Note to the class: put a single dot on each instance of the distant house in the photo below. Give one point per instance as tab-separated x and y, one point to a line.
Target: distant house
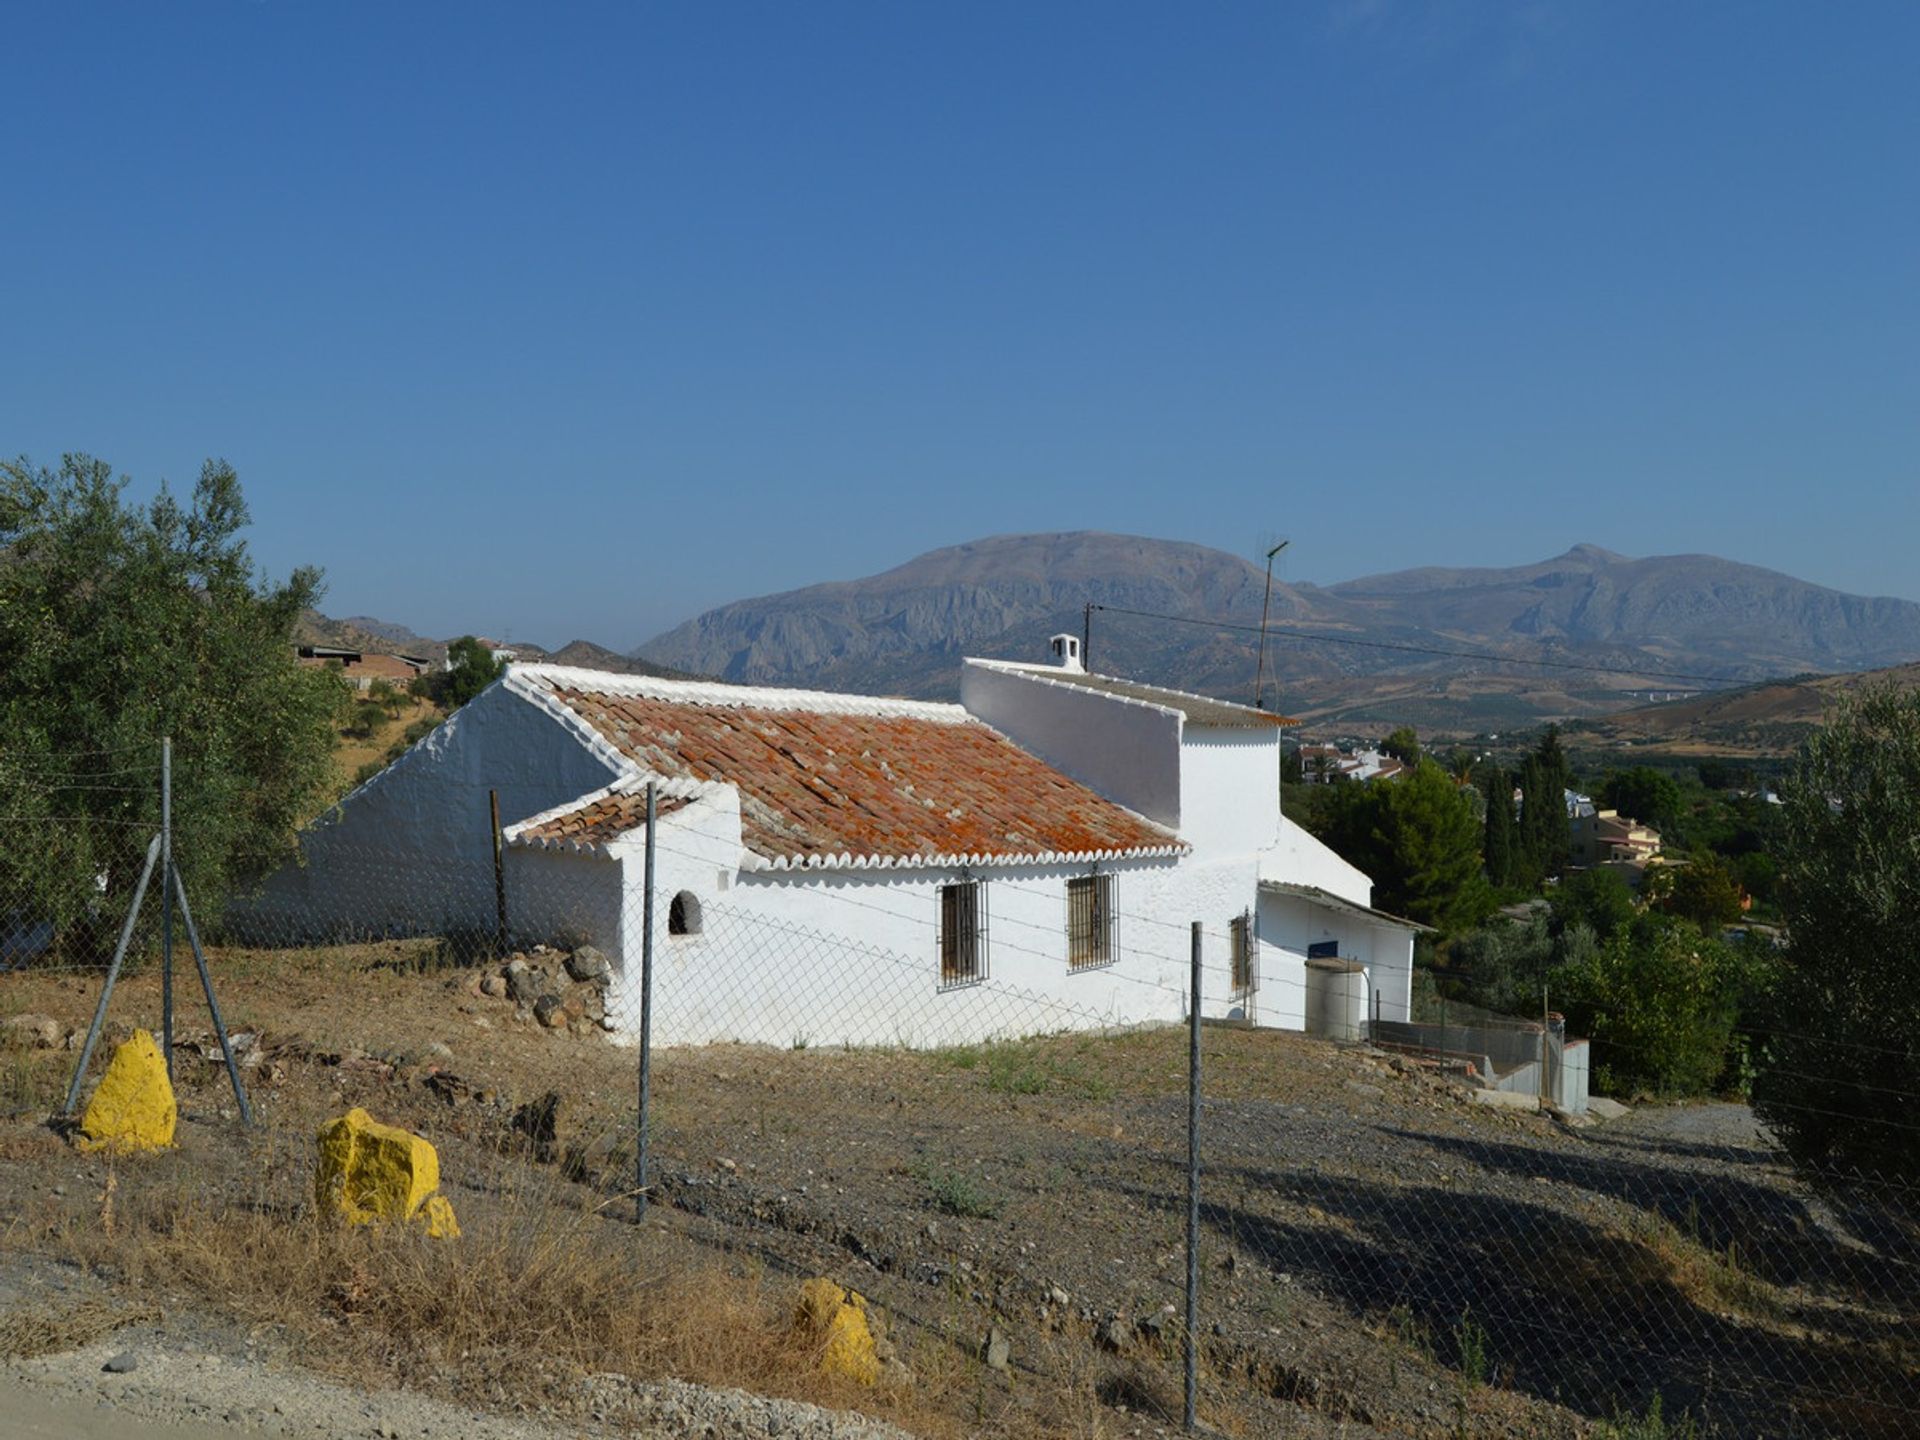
1326	763
864	868
362	667
1606	838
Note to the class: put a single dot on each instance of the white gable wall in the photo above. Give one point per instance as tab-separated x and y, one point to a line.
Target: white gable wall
1124	750
413	847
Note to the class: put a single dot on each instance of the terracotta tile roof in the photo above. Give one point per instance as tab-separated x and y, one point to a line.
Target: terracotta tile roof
858	780
603	817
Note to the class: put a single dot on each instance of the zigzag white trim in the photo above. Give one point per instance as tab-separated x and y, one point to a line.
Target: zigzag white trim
669	789
537	679
757	863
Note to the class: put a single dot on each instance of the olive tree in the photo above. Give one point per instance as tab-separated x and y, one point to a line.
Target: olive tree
123	623
1841	1059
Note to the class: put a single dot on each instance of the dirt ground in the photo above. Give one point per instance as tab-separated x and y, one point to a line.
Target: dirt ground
1378	1256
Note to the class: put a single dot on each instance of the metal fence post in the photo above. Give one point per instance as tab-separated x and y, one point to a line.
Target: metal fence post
499	878
1193	1186
113	975
166	902
646	1015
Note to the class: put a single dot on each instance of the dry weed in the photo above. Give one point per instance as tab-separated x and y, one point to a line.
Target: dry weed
45	1331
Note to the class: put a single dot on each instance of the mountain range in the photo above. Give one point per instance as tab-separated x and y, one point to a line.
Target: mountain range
1610	629
1452	650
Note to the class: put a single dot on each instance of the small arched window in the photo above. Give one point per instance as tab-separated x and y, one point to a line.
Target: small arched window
683	915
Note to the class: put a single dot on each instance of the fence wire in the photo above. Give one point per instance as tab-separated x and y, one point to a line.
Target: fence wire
1001	1164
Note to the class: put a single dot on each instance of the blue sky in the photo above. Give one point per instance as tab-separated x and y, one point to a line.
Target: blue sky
550	321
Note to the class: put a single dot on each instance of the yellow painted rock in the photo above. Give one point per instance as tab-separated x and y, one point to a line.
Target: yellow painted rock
132	1109
836	1319
369	1171
437	1215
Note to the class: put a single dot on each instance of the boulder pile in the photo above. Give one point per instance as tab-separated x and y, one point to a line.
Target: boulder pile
557	990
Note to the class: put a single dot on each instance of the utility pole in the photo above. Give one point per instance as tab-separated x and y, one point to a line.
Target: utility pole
1260	670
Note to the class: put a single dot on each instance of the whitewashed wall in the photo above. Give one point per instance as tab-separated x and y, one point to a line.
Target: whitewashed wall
1122	749
1300	859
1290	923
1229	790
412	848
852	957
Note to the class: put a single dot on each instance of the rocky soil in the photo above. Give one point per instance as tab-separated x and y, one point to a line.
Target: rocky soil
1378	1256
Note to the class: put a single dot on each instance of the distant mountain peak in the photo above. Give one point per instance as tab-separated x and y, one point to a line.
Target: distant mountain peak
905	630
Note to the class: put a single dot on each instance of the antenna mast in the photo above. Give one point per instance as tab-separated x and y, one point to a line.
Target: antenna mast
1260	669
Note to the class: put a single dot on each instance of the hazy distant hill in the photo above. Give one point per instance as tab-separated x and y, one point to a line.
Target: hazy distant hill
1767	719
905	630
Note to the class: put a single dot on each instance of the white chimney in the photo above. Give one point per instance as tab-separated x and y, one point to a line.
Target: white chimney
1065	650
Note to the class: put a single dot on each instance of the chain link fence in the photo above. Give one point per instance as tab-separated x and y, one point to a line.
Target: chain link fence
1001	1166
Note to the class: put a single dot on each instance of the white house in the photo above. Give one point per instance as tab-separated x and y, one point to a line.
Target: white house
851	868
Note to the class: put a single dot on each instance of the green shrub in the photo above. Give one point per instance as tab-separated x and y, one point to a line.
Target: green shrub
1659	1001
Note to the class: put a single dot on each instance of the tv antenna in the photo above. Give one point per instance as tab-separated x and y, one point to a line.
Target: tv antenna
1260	669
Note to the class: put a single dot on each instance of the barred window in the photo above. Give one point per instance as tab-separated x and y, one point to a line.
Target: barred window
1090	922
1243	972
963	933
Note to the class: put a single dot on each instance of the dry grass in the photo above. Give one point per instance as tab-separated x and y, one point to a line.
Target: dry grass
549	1283
46	1331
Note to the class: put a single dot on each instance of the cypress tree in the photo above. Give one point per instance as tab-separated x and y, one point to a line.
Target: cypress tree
1498	842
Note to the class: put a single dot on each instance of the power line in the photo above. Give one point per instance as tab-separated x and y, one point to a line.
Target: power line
1486	655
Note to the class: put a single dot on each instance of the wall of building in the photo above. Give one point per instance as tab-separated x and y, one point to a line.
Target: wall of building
1229	789
839	957
1289	924
1126	751
412	849
1299	859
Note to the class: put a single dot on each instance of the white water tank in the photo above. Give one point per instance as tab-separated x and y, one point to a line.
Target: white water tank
1337	999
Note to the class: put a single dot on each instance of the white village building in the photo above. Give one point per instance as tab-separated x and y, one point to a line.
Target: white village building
850	868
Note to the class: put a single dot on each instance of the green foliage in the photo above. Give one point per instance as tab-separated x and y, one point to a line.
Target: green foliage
1292	771
955	1194
470	669
1849	984
1597	899
1497	844
120	624
1544	840
1403	744
1704	891
1643	794
365	719
1470	1343
1653	1425
1660	1001
1417	837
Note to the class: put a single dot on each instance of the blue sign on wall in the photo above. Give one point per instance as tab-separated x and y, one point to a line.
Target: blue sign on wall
1324	950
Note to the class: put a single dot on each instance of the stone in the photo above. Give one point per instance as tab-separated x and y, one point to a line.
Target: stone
1601	1108
551	1011
370	1172
1114	1334
132	1109
541	1122
587	964
1506	1099
836	1320
494	987
527	985
439	1050
34	1031
125	1363
998	1349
